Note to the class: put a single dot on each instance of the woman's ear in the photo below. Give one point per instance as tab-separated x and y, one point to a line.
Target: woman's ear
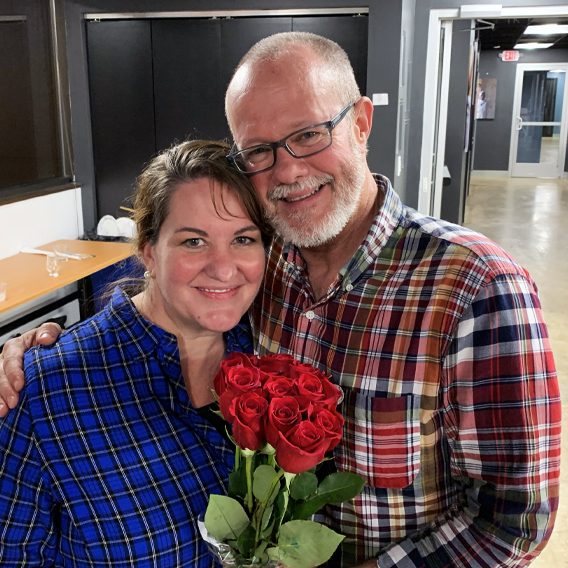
147	256
363	119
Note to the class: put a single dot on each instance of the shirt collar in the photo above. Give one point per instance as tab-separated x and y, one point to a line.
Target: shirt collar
140	336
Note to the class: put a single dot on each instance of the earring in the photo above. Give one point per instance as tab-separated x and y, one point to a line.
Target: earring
147	275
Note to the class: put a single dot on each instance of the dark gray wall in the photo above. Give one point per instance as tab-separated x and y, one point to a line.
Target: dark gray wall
422	14
453	193
493	137
382	75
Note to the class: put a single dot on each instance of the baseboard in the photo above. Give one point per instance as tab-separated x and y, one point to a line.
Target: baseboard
490	173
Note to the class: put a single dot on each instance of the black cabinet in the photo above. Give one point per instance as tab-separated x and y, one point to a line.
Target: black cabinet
157	81
187	80
122	107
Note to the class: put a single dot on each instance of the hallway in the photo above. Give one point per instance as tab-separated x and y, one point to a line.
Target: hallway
529	218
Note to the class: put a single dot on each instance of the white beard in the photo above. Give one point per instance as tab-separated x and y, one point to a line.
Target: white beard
299	228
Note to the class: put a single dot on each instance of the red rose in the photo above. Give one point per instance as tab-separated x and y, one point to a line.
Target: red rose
248	410
318	389
236	359
237	380
330	422
283	414
276	364
298	368
303	449
233	360
277	386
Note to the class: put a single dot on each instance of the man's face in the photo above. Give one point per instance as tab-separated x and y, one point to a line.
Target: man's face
309	200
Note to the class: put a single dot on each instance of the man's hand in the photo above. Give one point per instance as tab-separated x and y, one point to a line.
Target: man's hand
12	362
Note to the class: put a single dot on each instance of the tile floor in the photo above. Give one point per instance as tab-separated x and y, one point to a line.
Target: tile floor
529	218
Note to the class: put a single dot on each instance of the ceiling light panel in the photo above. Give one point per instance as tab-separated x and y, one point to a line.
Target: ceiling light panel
532	45
546	29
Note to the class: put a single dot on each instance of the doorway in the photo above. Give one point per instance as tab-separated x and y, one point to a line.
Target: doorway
436	80
538	136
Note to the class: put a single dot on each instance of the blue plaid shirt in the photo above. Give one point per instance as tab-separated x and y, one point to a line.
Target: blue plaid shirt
105	462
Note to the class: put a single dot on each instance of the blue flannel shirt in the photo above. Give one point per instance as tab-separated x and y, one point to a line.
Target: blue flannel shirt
105	462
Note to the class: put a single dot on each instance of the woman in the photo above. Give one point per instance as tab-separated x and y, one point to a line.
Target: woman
111	454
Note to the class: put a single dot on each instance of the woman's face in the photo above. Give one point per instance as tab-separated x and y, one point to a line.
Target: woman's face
206	266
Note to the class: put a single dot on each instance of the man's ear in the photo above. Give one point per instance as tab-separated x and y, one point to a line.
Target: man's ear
363	119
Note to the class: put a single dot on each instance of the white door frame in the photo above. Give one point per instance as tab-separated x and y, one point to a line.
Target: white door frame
435	116
433	135
521	68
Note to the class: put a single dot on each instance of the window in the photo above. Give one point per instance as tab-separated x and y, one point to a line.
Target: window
31	152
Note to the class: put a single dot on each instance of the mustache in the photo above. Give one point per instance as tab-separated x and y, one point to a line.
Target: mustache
281	191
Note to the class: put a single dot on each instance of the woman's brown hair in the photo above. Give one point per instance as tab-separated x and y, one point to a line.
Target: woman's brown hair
186	162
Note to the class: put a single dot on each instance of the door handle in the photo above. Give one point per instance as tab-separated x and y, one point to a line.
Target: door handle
519	125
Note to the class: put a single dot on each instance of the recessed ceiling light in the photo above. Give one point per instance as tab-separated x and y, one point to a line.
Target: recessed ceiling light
546	29
532	45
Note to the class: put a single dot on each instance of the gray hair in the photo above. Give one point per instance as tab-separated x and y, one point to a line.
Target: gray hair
334	61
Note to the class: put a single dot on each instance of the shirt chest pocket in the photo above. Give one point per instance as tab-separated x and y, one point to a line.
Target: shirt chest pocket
381	439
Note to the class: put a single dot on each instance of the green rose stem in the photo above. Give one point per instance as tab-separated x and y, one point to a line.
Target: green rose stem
274	487
249	459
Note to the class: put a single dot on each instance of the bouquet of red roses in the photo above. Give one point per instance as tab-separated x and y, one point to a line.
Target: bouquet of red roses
284	420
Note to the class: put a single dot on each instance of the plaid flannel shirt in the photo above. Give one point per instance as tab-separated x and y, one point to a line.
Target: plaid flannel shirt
105	462
451	402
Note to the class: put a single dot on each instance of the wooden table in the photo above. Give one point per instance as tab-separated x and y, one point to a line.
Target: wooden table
27	276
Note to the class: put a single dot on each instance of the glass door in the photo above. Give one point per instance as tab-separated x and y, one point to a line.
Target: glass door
538	142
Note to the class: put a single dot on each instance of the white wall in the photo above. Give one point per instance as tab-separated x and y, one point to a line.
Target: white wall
31	223
40	220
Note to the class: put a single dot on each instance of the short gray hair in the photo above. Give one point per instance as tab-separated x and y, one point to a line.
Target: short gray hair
331	55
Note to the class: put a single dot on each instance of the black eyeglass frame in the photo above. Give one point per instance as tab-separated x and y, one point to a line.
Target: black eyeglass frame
232	156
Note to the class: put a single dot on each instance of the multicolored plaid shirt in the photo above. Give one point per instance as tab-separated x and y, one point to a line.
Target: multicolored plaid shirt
451	398
105	462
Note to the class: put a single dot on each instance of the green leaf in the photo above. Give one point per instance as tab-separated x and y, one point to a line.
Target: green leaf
341	486
267	531
303	485
335	488
280	507
261	554
263	480
304	544
266	516
225	518
246	541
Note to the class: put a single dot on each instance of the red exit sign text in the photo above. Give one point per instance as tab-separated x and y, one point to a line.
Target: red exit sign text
510	55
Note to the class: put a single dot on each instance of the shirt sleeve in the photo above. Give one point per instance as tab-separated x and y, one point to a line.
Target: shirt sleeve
501	407
27	536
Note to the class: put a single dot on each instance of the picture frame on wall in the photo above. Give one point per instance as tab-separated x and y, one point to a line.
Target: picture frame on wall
485	98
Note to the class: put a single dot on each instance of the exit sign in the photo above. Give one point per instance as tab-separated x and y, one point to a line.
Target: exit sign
510	55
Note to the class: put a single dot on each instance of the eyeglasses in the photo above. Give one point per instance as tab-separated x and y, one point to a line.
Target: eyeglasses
300	144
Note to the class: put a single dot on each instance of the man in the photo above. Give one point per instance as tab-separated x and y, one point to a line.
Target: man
451	400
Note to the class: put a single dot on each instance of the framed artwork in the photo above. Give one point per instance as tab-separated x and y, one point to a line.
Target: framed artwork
485	98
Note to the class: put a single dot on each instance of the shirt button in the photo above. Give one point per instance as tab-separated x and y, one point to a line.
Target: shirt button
310	315
349	287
